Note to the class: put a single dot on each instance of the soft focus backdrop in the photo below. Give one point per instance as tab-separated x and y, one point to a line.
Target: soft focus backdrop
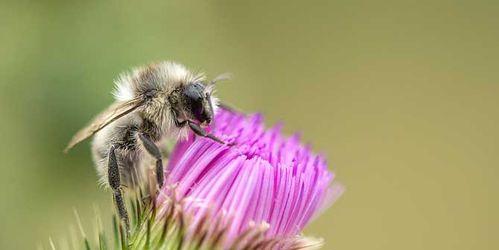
403	98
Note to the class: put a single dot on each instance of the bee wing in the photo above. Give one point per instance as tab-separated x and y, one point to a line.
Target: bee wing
106	117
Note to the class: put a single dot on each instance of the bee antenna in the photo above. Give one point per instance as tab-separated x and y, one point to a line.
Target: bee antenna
219	78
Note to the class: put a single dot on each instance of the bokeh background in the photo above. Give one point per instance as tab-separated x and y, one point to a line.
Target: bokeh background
402	96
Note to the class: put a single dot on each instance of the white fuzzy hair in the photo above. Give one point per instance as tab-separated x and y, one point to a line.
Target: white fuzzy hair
168	72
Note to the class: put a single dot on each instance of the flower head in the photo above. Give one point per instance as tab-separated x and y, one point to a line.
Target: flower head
261	179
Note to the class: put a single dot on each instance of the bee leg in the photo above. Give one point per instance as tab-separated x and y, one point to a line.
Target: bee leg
152	149
201	132
115	182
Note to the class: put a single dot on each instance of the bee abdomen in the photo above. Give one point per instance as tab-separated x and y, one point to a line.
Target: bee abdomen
123	136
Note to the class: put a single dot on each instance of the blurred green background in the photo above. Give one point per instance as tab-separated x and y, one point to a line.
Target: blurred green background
402	96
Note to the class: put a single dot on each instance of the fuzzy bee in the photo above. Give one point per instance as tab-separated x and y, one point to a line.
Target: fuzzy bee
156	102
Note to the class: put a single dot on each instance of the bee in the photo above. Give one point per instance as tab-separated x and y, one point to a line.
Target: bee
153	103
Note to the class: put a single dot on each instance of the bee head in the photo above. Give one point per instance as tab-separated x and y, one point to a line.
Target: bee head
197	103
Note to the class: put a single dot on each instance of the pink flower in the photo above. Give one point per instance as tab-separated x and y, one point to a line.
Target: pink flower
262	179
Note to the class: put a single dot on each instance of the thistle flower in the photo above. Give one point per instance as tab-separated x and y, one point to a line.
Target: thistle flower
257	192
260	180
